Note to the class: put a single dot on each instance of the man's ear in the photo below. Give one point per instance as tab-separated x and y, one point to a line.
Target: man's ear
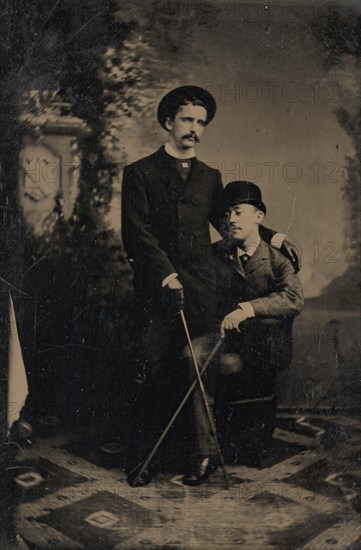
168	123
260	216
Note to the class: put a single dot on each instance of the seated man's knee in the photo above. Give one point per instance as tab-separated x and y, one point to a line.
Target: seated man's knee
230	363
202	347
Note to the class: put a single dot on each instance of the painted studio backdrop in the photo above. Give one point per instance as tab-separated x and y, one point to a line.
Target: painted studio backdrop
83	84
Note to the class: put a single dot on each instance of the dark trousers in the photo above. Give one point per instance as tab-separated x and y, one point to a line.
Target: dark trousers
241	384
161	383
164	370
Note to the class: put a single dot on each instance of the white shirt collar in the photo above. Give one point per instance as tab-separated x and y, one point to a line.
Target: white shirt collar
251	249
174	153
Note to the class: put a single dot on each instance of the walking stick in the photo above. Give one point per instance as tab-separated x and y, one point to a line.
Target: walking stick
204	395
177	412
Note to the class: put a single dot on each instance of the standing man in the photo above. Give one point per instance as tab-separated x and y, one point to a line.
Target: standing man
168	200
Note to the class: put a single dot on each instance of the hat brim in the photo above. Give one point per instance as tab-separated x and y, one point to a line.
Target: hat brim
260	205
174	99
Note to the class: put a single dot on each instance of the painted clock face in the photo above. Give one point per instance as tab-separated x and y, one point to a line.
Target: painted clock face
39	183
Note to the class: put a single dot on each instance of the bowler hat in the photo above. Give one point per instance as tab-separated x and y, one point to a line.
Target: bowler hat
171	102
243	192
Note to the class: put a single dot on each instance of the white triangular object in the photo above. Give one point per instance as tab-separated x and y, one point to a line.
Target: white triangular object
17	379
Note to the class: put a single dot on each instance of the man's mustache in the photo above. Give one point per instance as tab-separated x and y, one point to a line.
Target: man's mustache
194	136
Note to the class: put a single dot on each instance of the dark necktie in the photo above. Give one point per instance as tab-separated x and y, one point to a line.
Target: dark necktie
184	168
244	259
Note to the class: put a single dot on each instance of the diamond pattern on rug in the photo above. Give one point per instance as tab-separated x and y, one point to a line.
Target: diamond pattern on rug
318	478
102	520
302	427
280	450
335	430
290	524
303	494
97	451
42	477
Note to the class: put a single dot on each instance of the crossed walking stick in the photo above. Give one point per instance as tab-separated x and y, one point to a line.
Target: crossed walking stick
198	380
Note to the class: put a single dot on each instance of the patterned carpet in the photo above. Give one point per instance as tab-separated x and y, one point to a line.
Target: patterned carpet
72	494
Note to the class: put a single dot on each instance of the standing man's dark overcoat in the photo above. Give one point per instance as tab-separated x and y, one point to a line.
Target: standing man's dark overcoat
165	230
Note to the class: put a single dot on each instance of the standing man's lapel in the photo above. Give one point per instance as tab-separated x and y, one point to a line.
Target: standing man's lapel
172	179
196	180
169	174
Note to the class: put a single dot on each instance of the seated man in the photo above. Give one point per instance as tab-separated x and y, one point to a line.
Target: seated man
259	294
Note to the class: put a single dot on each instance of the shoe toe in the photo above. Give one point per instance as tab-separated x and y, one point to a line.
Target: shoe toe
192	480
142	480
203	467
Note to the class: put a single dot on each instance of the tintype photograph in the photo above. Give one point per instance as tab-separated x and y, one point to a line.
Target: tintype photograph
180	275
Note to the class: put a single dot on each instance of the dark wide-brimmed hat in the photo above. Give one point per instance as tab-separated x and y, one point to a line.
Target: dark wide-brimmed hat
243	192
171	102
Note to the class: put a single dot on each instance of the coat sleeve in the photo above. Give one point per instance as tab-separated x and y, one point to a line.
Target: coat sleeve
140	243
286	300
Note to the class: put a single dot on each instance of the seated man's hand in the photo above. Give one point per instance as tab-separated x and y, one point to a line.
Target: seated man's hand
232	321
292	252
175	290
